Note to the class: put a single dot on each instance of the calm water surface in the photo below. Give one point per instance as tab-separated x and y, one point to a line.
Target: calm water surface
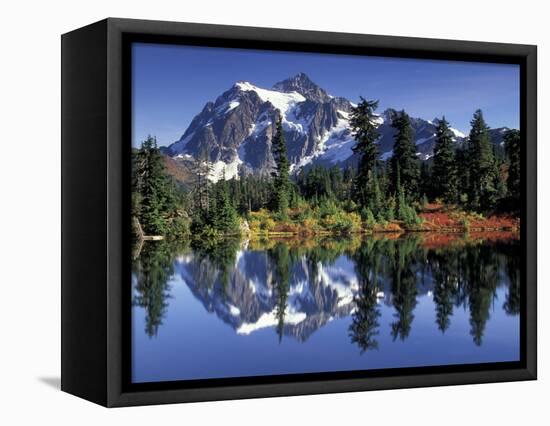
298	306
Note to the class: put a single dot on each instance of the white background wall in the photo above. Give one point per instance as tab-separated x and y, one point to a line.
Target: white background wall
30	211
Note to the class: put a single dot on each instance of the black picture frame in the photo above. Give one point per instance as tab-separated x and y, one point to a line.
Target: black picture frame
96	91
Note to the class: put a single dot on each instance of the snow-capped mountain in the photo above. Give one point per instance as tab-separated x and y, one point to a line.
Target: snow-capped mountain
236	130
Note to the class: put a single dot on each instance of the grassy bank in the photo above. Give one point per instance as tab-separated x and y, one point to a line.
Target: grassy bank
433	218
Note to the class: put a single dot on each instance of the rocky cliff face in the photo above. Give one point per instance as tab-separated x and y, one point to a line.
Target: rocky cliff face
236	130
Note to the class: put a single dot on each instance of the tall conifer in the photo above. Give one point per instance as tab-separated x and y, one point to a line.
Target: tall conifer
224	215
154	188
512	146
282	184
444	176
363	124
404	156
482	191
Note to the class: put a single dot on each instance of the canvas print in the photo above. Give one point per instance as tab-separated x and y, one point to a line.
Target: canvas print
300	213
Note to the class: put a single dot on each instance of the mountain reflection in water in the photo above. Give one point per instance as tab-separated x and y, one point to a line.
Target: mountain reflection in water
294	288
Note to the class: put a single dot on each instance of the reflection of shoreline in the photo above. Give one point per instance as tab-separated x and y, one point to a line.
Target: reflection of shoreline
298	285
426	239
433	240
392	233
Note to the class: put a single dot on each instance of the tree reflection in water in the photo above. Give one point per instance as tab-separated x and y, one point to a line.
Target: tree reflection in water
403	286
152	270
364	326
280	257
395	272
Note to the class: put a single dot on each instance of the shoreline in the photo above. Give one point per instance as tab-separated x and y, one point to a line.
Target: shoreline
443	231
428	239
433	217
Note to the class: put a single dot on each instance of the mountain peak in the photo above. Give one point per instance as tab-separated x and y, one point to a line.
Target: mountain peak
299	79
244	85
301	83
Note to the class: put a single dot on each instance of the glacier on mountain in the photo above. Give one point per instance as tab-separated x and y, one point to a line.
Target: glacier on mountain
237	128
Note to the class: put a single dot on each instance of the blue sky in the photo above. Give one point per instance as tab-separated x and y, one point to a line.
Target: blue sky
172	83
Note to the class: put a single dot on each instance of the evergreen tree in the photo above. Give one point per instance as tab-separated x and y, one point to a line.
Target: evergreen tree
463	173
201	194
512	146
223	214
482	191
405	212
348	179
444	176
499	180
404	156
426	187
202	168
363	125
282	184
156	201
376	205
336	182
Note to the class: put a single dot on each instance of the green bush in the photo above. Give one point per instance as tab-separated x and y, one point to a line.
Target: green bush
179	227
349	206
206	233
327	208
342	222
368	218
408	215
389	209
303	214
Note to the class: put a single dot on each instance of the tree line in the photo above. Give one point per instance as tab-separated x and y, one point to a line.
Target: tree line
468	175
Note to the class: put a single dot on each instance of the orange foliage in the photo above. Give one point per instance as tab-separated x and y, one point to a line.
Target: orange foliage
437	217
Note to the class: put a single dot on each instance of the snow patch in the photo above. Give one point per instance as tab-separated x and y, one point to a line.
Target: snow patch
221	169
186	156
335	145
282	101
233	310
457	133
232	105
379	119
292	122
225	108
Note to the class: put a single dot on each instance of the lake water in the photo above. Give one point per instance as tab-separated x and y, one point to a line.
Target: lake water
281	306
